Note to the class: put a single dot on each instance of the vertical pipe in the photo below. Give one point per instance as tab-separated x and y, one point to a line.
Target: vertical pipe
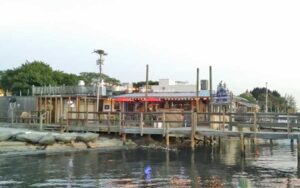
146	90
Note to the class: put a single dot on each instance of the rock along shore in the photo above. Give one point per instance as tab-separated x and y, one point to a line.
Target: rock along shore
25	141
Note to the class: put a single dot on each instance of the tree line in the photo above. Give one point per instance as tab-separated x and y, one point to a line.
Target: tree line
276	102
38	73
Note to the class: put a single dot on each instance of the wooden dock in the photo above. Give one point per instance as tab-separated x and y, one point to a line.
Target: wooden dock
191	125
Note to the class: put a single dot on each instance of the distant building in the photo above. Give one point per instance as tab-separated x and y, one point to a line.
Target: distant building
126	87
167	85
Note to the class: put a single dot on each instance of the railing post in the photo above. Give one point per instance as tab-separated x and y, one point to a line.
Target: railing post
223	120
120	123
230	122
255	122
167	135
164	122
109	123
288	124
193	129
242	144
141	124
41	122
86	118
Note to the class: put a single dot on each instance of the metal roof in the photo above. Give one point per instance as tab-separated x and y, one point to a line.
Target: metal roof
202	93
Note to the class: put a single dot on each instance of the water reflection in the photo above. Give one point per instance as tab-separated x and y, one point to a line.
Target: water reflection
218	166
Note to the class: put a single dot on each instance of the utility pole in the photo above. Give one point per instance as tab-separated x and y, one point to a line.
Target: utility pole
197	90
210	90
146	91
266	109
100	61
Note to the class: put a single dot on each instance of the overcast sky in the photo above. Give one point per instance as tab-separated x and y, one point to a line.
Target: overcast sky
248	43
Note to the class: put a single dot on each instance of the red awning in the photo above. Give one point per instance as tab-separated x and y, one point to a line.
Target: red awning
151	99
122	99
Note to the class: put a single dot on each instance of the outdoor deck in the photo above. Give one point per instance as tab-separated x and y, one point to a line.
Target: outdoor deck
191	125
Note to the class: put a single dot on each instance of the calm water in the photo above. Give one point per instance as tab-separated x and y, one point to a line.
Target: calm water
264	166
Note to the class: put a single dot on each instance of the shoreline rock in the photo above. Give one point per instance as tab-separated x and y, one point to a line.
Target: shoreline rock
23	142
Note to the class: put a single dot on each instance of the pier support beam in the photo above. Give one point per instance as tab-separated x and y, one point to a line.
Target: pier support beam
124	138
193	131
167	134
242	145
167	140
298	161
298	148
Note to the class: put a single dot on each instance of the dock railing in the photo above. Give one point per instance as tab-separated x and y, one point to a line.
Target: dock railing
163	120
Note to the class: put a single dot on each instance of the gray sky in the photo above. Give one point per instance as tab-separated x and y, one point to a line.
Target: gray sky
248	43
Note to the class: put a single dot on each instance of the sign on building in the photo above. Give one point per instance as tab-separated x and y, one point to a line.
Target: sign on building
223	96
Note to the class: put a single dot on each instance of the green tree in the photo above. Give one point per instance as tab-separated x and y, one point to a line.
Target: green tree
62	78
91	78
276	103
22	78
36	73
248	96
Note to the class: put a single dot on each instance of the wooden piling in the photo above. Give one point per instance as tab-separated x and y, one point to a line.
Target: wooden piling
298	158
242	145
109	123
193	129
124	138
164	123
167	136
120	122
141	124
298	148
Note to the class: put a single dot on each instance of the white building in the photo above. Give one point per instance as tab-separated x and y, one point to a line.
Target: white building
166	85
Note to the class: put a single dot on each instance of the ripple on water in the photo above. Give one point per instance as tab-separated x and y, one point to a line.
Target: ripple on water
10	182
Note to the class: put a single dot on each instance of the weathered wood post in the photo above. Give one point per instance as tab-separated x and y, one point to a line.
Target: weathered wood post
109	123
223	126
298	147
193	129
210	97
120	123
164	123
242	144
298	157
141	124
124	138
167	135
255	127
41	122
